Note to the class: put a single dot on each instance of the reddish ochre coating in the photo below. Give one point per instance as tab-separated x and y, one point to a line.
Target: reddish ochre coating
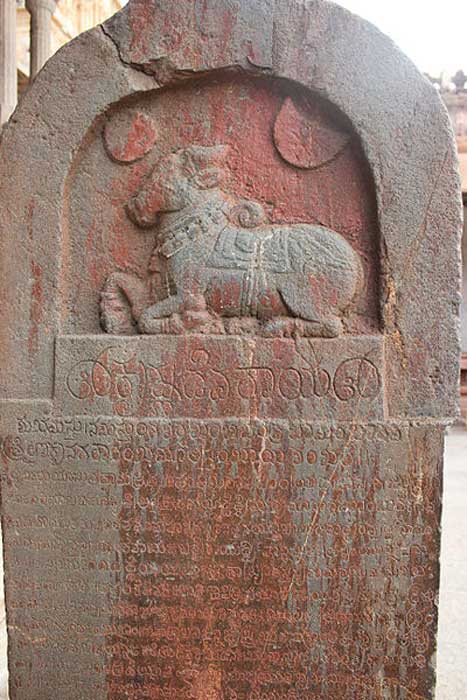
180	645
36	305
128	137
241	114
229	350
141	137
142	16
214	598
307	142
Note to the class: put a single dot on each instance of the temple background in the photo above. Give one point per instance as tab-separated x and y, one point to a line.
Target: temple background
455	98
70	18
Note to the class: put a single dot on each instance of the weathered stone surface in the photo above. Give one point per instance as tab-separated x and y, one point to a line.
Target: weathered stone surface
229	352
237	556
307	139
202	376
129	136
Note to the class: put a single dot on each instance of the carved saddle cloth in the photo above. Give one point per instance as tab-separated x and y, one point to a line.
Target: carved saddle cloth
262	249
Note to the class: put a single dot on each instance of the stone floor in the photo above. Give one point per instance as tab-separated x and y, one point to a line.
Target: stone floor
452	643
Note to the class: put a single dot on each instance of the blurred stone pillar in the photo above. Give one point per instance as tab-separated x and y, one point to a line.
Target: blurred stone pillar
41	12
8	78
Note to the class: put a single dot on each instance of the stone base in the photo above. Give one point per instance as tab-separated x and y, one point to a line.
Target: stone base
167	555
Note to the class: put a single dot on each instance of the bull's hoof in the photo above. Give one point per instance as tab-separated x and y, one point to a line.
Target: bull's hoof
280	328
299	328
335	328
148	325
202	323
330	328
122	300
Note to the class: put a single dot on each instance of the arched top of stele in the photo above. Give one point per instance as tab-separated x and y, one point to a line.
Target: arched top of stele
398	116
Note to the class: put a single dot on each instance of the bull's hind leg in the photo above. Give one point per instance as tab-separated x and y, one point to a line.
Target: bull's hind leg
178	314
311	321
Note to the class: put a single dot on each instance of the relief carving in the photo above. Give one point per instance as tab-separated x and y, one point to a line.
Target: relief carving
128	137
219	265
305	137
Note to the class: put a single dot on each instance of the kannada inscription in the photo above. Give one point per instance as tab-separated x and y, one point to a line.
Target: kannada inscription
194	376
240	558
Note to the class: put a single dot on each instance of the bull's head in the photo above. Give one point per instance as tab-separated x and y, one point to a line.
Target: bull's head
179	181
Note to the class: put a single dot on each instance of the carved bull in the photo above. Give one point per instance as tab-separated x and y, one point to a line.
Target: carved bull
219	258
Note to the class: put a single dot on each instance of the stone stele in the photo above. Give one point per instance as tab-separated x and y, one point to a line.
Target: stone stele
229	349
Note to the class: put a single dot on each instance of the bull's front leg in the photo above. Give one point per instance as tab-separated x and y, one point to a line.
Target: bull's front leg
151	320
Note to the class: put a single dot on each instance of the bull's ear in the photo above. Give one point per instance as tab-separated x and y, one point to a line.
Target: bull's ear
208	179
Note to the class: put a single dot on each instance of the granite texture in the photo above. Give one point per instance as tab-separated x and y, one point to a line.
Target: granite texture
229	256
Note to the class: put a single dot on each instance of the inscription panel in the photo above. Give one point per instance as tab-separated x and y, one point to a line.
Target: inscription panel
235	558
193	376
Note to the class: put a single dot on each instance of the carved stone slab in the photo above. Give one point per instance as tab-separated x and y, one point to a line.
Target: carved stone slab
229	250
198	376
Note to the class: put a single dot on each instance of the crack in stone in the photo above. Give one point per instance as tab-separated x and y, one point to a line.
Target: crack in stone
164	71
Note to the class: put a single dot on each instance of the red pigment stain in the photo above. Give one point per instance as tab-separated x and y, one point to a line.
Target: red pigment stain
36	306
126	186
272	302
338	195
304	137
226	296
123	252
227	24
140	138
192	582
29	219
107	245
144	16
140	17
